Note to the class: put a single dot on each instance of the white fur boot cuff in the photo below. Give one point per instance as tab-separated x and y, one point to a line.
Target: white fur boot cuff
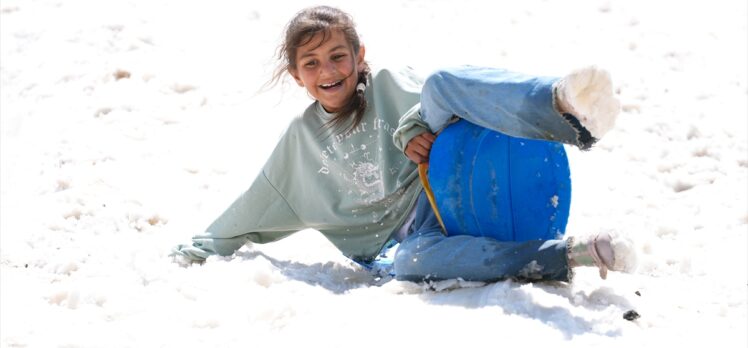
587	94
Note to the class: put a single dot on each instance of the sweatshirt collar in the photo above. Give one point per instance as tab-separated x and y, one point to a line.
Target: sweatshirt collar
323	114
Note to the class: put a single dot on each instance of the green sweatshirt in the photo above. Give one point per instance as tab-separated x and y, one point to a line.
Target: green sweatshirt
355	188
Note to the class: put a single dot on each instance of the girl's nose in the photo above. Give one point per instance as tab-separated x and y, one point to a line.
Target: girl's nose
328	67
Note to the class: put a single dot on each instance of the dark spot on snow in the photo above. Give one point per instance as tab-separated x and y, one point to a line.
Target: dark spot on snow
631	315
121	74
638	293
681	186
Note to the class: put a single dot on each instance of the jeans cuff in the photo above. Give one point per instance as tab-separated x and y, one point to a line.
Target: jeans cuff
584	138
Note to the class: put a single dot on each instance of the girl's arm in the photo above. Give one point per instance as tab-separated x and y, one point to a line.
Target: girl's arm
259	215
413	136
410	125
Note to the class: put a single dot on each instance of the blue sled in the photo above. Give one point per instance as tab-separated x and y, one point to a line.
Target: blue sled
488	184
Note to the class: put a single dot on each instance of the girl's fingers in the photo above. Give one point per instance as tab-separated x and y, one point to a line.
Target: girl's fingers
419	147
415	156
424	141
428	136
422	150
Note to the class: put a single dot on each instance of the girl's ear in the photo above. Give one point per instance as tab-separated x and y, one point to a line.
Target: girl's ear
295	74
360	61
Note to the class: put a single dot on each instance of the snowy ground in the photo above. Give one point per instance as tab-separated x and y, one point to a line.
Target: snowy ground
127	126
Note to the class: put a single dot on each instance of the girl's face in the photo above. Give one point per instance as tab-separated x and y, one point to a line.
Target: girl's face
329	71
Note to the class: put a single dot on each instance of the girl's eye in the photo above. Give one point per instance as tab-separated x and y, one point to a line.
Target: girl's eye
338	57
310	64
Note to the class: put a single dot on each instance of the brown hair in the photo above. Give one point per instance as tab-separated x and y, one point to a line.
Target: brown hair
300	31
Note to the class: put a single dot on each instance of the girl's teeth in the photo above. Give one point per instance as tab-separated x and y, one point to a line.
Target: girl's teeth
330	84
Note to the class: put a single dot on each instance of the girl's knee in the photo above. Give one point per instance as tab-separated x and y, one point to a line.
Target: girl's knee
407	267
410	261
437	79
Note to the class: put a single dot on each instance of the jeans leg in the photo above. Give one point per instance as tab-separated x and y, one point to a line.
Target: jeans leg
427	254
511	103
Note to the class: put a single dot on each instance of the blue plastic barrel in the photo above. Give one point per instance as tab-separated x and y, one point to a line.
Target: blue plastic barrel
489	184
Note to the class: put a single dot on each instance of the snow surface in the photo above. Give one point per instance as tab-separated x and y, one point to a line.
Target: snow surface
127	126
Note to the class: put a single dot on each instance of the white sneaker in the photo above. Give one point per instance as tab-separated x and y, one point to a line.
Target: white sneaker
606	253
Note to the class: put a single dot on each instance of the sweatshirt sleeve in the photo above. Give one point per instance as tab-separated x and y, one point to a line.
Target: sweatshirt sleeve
409	126
259	215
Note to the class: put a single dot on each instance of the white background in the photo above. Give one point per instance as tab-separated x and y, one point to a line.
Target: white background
102	176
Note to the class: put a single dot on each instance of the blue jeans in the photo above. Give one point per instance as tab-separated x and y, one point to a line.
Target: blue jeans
427	254
513	104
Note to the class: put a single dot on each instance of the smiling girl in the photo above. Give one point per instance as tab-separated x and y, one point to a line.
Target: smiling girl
343	169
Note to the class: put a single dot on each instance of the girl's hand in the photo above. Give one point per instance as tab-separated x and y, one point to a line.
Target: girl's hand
419	147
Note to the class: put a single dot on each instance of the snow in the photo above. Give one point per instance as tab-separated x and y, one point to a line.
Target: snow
127	126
